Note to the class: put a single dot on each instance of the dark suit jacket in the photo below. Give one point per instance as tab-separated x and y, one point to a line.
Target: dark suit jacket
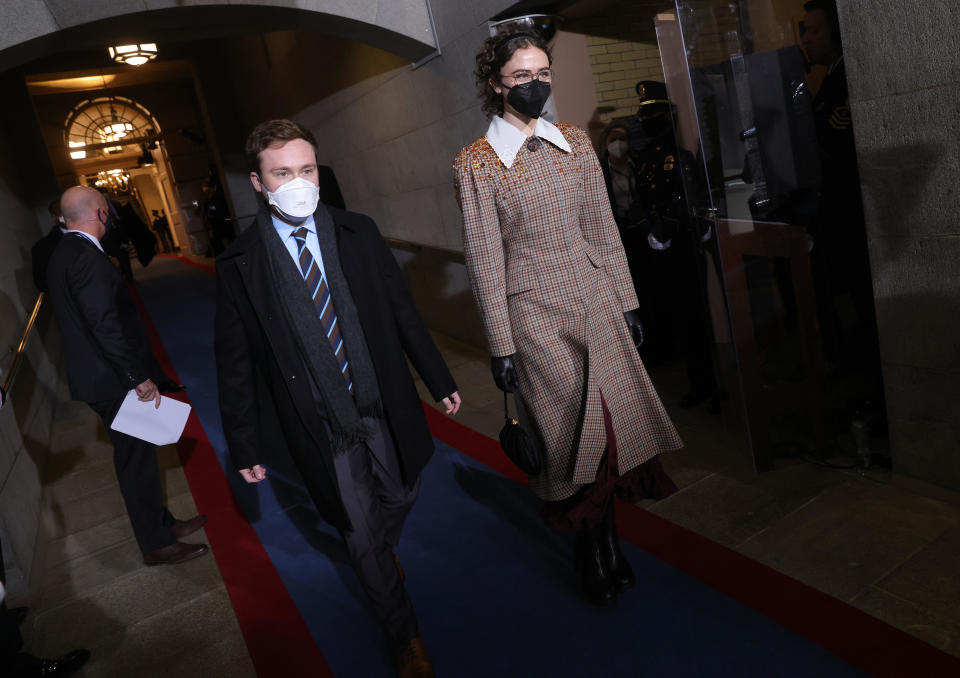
40	254
255	345
105	346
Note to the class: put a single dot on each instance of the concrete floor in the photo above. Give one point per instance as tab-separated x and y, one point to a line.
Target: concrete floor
96	592
861	538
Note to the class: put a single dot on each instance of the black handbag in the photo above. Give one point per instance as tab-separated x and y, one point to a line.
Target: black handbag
518	444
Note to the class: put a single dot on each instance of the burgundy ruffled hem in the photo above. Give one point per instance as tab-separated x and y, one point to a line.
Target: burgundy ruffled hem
589	505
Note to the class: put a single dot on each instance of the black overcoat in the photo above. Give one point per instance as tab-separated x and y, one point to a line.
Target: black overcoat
255	347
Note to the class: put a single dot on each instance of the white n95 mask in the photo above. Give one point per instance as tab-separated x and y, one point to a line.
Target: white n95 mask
297	198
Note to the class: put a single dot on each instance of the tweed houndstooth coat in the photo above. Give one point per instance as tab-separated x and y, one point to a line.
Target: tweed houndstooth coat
551	282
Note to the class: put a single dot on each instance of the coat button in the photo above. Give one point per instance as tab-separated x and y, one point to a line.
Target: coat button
293	376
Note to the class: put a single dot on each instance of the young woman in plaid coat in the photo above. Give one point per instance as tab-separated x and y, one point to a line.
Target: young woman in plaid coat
550	279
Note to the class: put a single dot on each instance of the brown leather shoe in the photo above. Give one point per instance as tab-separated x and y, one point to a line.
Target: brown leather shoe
412	660
175	553
396	561
182	528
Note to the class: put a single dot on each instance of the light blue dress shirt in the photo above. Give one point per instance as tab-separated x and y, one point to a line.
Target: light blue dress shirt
285	232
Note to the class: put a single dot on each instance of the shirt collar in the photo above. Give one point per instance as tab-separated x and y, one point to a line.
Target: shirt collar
506	140
87	236
285	230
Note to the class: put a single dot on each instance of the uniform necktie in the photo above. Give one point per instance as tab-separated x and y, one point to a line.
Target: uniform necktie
317	287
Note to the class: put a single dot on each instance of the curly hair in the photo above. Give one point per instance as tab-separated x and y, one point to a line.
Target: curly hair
272	132
496	51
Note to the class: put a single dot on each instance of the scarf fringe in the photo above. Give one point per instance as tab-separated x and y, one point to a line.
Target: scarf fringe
344	440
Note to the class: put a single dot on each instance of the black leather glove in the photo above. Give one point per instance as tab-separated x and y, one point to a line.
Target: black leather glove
504	374
636	327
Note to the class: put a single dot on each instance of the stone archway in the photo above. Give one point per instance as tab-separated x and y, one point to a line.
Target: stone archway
32	28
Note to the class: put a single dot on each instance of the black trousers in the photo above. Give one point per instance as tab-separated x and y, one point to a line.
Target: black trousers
138	474
377	502
10	640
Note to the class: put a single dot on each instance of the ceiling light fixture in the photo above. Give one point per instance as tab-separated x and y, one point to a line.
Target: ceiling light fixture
116	180
133	55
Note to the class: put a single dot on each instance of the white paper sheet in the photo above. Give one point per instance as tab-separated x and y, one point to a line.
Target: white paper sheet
143	420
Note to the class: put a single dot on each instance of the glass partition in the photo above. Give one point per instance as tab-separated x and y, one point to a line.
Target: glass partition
743	118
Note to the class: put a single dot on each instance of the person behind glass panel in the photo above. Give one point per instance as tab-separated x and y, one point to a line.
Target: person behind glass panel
840	257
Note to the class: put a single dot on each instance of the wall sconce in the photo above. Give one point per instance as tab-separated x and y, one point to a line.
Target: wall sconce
133	55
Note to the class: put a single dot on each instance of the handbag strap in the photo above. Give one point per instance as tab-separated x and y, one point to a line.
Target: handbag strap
506	408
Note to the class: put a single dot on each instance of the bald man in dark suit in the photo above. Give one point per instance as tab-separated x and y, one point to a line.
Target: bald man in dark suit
107	353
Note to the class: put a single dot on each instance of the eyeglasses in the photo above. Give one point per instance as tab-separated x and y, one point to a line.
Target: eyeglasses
523	77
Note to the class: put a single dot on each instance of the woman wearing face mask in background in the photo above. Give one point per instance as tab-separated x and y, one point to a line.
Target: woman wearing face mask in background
552	285
619	175
623	190
620	178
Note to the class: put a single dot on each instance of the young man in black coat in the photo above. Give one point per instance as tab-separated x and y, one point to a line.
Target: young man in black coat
311	303
107	353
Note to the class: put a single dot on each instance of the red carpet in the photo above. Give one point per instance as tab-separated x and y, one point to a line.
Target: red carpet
859	639
183	259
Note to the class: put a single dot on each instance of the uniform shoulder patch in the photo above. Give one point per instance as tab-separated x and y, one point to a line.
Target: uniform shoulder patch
840	117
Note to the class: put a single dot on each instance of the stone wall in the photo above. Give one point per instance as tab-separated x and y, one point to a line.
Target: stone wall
27	418
617	67
392	140
904	103
622	44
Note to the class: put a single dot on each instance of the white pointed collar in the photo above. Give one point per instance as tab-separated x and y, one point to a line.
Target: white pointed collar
506	140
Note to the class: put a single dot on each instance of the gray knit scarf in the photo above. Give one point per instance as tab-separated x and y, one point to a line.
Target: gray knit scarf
344	412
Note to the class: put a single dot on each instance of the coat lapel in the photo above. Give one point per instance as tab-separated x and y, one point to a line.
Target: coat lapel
254	271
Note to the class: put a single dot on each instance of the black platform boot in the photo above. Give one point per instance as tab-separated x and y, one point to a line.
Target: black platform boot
595	583
618	568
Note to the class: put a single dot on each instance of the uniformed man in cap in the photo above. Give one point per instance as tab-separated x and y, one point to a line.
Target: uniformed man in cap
675	273
839	257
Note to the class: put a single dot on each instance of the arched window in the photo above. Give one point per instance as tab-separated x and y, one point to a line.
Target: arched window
95	124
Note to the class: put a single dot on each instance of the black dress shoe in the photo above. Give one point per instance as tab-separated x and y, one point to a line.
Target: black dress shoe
620	572
412	660
174	554
595	583
28	666
181	528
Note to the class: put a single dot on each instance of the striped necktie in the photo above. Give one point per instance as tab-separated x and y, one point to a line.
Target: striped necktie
323	302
